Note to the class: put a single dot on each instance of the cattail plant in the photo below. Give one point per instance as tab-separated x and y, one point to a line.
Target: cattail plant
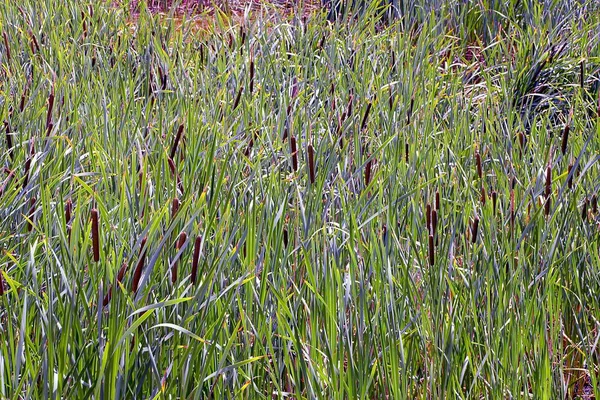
285	237
548	190
368	172
294	151
365	119
95	235
478	164
251	74
570	174
175	207
31	214
438	203
494	201
431	250
9	142
428	216
176	142
406	149
195	259
311	163
49	111
6	46
483	196
120	276
474	229
565	139
137	274
178	245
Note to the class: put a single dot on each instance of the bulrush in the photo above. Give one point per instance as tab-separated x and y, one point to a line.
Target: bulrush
49	111
594	204
311	163
178	245
478	164
137	274
368	172
570	176
565	139
176	142
95	235
120	276
428	216
195	259
437	200
434	221
6	46
285	237
474	229
68	210
581	74
431	251
251	75
294	150
483	197
238	97
494	201
406	152
175	207
9	142
31	214
548	189
410	110
363	125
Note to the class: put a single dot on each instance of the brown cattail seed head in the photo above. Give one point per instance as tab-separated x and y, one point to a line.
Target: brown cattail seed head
548	190
294	153
431	250
95	235
434	221
139	267
594	204
437	200
363	125
474	229
285	237
368	172
565	139
68	210
483	195
178	245
175	207
311	163
428	216
195	259
478	164
570	176
176	141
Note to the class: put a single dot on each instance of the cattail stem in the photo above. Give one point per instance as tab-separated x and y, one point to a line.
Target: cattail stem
95	235
137	274
197	244
311	163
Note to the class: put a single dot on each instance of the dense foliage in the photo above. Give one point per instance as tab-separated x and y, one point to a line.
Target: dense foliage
390	205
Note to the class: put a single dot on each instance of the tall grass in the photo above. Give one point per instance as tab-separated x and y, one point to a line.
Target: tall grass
300	210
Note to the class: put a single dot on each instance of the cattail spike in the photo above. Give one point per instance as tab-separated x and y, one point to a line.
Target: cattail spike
95	235
431	251
368	172
363	125
478	164
6	46
311	163
428	216
474	229
175	207
294	153
434	221
494	201
594	204
548	190
570	176
176	142
137	274
179	244
437	200
197	244
565	139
